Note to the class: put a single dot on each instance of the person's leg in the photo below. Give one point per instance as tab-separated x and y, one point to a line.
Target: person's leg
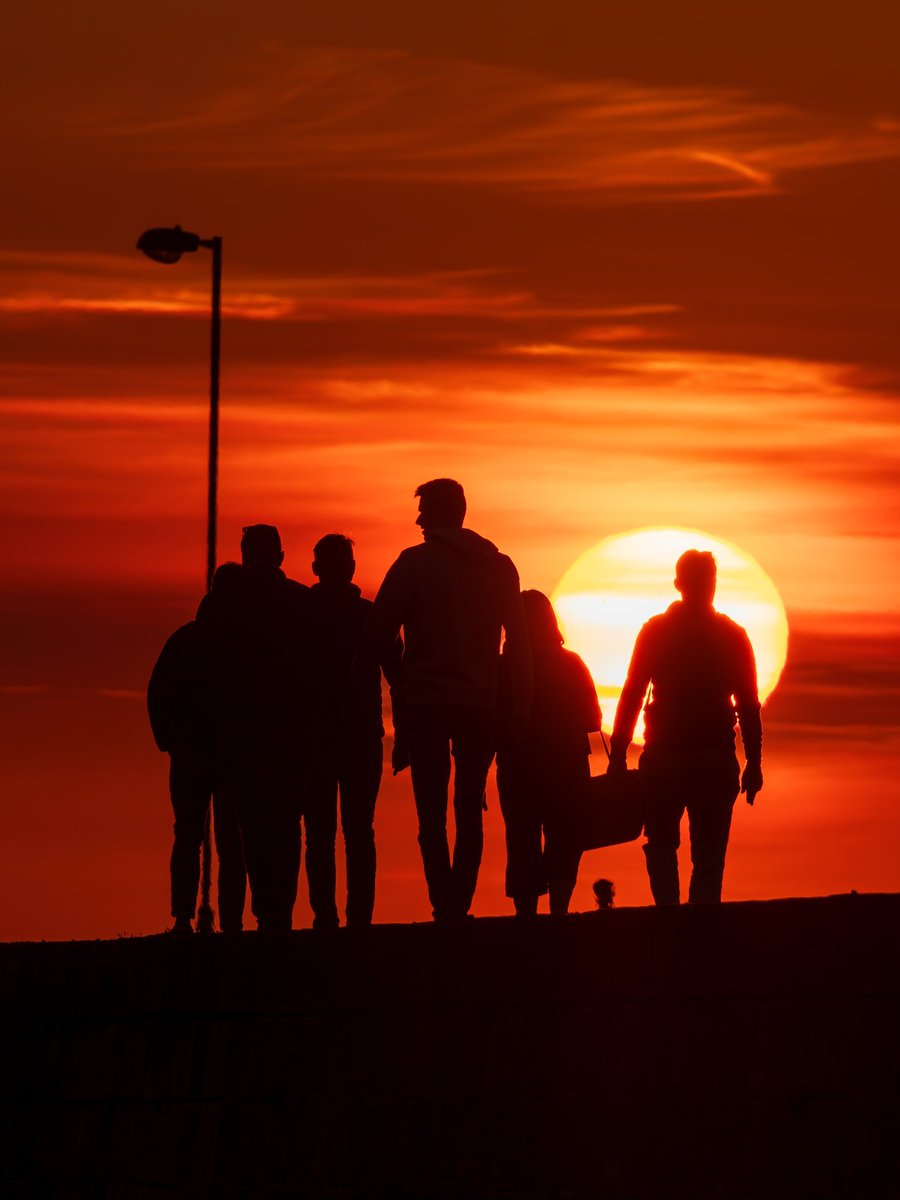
525	879
266	802
710	811
320	819
429	761
563	858
232	881
562	793
473	752
360	778
190	787
664	805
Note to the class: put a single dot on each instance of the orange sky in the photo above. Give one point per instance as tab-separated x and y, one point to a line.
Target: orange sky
610	269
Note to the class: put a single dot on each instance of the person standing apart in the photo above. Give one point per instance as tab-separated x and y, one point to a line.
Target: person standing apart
701	672
452	596
349	755
543	769
180	707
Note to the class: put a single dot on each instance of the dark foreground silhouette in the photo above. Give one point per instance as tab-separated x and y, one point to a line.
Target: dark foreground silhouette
737	1050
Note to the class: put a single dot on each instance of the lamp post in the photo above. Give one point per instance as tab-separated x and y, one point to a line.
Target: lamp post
167	246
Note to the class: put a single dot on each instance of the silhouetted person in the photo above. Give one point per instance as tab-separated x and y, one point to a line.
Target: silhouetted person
263	645
179	702
452	596
349	754
700	667
542	772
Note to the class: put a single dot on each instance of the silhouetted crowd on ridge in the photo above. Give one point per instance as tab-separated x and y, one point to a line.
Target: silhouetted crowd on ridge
269	705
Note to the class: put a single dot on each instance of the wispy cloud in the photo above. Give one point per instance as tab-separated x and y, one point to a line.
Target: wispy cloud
362	114
38	284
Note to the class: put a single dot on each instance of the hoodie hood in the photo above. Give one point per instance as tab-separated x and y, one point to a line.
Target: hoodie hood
464	542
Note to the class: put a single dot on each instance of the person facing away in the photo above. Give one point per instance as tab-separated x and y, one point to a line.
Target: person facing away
542	773
263	645
349	755
452	596
179	704
700	668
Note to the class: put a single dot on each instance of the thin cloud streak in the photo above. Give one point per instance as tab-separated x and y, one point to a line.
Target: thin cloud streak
379	115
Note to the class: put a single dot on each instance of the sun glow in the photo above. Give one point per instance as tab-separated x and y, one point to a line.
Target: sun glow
610	591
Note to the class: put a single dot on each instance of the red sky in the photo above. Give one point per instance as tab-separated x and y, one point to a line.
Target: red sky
610	269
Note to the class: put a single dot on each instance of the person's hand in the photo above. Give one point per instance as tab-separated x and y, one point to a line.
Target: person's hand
617	764
751	781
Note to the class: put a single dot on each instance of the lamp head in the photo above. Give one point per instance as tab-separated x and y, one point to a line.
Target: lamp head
168	245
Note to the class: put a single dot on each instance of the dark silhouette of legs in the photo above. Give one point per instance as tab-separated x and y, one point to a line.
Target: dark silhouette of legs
429	761
520	805
232	872
709	816
190	786
355	774
433	731
266	798
320	821
360	780
662	827
706	784
563	782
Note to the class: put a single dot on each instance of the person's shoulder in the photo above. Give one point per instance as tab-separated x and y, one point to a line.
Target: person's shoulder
573	662
659	623
729	627
183	636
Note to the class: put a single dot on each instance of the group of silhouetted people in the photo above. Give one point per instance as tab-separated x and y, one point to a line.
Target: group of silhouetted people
269	705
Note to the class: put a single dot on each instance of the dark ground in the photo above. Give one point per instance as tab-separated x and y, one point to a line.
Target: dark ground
751	1050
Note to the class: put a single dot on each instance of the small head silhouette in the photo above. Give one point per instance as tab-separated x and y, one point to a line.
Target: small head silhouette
695	578
540	617
605	893
442	504
261	548
333	560
227	578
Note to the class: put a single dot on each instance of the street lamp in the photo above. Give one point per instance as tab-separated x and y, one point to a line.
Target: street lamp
167	246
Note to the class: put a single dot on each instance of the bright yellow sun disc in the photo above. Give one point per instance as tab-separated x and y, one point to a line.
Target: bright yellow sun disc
609	592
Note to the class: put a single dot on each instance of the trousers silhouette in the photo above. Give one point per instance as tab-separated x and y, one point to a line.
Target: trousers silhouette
706	783
265	789
191	784
435	732
354	771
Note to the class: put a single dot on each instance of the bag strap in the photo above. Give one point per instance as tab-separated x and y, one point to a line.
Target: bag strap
603	740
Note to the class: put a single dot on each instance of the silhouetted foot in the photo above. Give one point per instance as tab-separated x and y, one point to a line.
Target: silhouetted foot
326	924
526	907
182	927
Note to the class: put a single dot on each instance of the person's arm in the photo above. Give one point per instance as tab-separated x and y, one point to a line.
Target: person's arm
746	696
517	652
633	693
160	691
378	641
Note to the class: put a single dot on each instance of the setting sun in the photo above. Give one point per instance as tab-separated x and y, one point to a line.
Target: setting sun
607	594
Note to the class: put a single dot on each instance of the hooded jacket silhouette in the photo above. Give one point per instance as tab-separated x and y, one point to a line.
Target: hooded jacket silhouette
452	595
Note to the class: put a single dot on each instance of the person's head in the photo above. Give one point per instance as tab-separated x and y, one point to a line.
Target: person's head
228	576
605	893
261	548
540	618
333	560
442	504
695	577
